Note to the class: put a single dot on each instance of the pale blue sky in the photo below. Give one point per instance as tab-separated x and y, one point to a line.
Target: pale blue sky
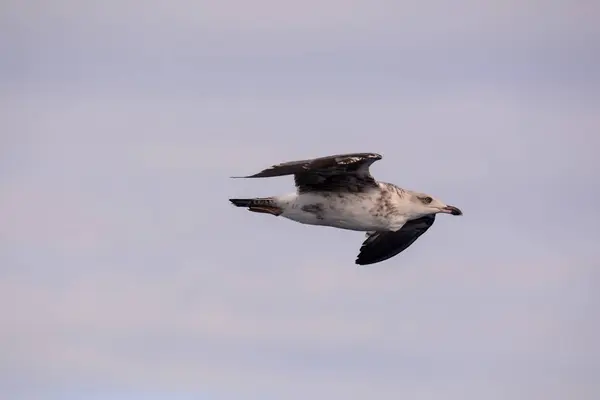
126	274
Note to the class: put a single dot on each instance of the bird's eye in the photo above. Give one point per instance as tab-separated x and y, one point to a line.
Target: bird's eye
426	200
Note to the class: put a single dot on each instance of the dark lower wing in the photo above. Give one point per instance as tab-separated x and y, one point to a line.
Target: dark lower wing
383	245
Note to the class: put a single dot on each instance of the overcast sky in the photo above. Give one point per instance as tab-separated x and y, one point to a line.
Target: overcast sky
126	274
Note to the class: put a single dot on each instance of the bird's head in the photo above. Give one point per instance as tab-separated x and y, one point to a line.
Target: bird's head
426	204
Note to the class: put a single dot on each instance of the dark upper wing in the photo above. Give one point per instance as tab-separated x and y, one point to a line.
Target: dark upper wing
380	246
341	172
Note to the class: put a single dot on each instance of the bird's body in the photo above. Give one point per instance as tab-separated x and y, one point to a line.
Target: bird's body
339	191
375	209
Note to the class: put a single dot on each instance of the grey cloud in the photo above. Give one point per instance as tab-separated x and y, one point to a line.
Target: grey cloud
205	51
201	324
311	18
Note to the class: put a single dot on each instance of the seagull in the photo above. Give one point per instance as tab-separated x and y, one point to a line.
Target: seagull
339	191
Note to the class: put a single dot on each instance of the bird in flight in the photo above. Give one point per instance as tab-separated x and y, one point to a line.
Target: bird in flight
339	191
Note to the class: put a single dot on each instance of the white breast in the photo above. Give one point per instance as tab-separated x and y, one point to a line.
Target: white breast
350	211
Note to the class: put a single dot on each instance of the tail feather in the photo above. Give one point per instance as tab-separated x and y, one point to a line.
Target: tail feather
262	205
